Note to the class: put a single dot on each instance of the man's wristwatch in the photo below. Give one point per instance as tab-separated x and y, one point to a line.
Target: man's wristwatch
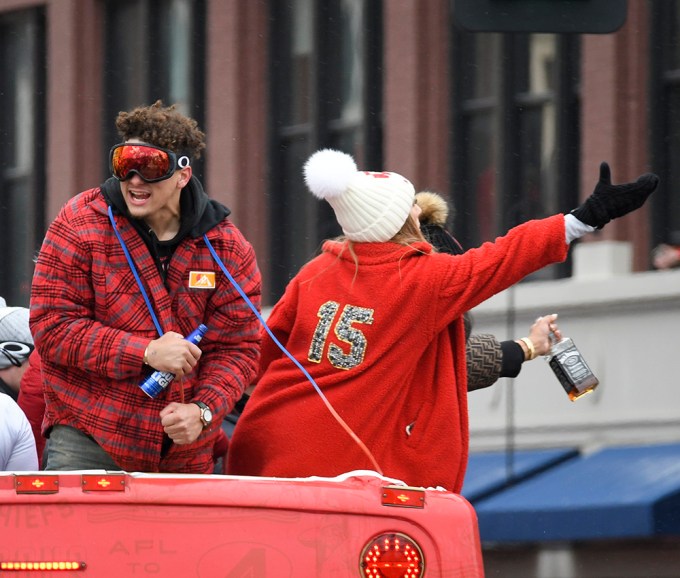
206	413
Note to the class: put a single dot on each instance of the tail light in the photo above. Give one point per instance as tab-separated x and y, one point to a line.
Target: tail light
54	566
392	555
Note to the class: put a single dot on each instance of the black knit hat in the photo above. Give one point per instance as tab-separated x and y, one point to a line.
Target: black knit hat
441	239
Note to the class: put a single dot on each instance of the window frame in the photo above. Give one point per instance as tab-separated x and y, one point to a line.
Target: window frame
149	84
663	80
298	230
506	106
24	162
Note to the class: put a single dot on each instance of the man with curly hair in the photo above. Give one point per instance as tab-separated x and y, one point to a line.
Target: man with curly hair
126	271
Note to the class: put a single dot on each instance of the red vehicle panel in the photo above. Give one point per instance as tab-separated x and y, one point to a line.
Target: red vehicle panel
113	525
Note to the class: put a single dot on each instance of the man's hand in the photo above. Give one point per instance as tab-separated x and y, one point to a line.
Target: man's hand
182	422
171	352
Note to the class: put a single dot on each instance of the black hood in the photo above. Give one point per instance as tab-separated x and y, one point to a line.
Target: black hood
199	212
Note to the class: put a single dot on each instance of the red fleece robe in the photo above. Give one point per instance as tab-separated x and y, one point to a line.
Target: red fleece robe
376	340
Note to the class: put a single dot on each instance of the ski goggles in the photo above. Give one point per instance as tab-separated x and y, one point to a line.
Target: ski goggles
150	162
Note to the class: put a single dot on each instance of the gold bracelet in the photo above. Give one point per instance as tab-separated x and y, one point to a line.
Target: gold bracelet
145	361
530	346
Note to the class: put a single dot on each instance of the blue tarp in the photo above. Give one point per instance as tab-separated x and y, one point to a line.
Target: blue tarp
490	472
619	492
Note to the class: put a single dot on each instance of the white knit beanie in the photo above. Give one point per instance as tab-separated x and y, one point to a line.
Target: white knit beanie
371	207
16	340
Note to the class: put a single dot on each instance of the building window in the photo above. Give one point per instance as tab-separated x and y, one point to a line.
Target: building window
155	49
22	154
665	119
515	127
325	92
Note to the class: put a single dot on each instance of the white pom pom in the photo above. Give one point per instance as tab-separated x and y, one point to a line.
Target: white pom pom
328	173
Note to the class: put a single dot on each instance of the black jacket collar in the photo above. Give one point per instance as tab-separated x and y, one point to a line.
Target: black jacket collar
199	212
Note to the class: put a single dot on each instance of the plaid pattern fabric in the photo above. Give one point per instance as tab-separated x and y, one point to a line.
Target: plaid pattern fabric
91	326
484	358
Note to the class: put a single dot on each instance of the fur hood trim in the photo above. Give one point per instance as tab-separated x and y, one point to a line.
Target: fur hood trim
434	208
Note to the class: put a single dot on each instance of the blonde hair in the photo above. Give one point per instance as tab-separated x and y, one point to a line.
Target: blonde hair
408	234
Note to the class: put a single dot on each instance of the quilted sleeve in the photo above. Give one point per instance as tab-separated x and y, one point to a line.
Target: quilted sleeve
484	360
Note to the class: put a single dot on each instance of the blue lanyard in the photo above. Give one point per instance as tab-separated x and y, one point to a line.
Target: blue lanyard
131	263
215	256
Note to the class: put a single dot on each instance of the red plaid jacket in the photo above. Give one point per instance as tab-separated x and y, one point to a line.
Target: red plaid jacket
91	326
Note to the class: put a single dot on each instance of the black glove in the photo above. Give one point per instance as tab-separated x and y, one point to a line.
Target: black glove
612	201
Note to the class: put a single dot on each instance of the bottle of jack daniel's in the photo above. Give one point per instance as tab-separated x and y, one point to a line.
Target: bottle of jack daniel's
571	369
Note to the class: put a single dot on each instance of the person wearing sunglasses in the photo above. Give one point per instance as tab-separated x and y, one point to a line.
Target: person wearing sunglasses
16	345
126	271
19	379
17	445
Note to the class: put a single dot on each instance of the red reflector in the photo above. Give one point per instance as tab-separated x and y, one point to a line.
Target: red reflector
404	497
105	483
392	556
54	566
36	484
